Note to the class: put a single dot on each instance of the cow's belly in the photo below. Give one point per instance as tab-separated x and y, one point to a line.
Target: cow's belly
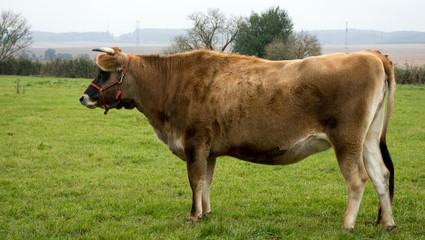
273	155
278	156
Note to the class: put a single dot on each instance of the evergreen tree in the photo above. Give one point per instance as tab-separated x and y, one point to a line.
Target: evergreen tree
257	31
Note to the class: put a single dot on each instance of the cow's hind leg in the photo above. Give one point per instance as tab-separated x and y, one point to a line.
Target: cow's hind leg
350	162
380	171
206	208
380	176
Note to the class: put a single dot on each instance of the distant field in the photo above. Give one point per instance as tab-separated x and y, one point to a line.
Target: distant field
68	172
399	53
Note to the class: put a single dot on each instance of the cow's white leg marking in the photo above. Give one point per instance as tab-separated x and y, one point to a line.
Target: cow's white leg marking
377	170
206	208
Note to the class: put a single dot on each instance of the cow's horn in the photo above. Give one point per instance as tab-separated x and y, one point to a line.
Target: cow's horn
105	50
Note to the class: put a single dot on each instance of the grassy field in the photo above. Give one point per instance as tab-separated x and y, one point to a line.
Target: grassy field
69	172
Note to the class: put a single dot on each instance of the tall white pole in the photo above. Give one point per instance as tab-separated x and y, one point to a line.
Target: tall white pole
346	34
137	32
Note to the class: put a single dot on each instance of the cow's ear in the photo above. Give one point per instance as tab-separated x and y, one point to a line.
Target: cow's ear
111	60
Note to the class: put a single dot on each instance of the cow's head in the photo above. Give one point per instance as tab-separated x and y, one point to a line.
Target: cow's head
105	90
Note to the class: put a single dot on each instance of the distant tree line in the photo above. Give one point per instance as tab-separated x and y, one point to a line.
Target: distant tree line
49	54
80	67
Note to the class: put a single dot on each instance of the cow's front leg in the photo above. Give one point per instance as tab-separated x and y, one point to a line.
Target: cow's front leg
196	160
206	208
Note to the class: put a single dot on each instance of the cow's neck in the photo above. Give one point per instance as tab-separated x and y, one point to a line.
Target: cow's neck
161	85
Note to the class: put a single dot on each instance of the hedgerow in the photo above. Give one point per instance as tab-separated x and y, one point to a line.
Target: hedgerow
80	67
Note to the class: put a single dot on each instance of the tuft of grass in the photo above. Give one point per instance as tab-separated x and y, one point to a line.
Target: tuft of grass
71	172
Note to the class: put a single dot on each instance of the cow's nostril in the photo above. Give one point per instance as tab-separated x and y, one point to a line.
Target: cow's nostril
81	98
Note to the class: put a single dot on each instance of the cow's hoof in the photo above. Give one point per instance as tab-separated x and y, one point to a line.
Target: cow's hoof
390	228
206	215
349	229
193	219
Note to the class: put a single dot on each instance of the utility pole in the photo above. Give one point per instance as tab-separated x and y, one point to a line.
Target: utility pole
346	34
137	32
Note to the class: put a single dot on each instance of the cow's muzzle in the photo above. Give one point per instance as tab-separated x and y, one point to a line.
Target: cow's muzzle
85	101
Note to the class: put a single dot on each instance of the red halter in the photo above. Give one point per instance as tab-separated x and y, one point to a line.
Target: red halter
117	82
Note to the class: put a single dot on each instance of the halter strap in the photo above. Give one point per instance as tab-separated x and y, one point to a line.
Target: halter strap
119	81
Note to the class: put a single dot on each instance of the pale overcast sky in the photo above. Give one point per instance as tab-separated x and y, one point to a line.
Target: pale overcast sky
120	16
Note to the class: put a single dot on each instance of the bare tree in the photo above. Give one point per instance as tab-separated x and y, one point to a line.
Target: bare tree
211	30
182	43
276	50
299	45
15	34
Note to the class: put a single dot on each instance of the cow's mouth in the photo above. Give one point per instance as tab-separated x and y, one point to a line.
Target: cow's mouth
119	106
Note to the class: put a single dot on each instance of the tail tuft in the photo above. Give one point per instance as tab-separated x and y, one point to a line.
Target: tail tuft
389	164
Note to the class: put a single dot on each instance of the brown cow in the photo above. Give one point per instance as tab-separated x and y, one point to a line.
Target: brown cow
205	104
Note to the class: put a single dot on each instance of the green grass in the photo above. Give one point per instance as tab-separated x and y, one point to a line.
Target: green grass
69	172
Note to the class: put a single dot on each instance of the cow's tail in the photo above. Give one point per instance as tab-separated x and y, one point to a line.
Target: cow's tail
390	80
